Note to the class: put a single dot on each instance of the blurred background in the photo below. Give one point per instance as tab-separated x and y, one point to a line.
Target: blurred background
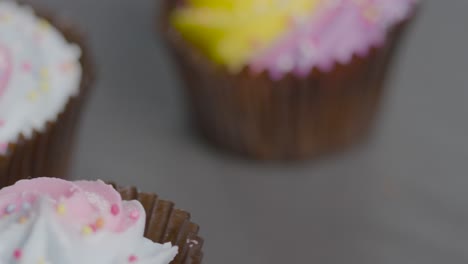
400	198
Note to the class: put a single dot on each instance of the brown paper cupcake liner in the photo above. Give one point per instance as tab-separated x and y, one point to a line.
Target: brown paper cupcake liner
292	118
48	152
164	223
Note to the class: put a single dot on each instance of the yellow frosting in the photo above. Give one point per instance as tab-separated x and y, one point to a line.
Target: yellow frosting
229	32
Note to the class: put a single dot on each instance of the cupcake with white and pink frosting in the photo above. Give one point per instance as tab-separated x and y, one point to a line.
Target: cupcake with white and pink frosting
279	79
47	220
45	73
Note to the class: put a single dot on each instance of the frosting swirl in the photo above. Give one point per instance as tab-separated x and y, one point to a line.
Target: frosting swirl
48	220
281	37
231	31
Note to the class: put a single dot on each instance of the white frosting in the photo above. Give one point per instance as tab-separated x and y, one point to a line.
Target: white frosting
39	235
39	72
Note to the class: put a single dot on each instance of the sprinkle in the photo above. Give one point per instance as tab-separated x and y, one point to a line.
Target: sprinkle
17	254
10	208
115	210
87	230
99	223
22	219
132	258
41	261
2	122
26	66
93	227
44	72
66	67
135	215
32	96
45	87
44	24
61	209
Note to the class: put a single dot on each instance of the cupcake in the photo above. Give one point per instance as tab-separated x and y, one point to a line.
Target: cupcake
48	220
284	79
45	74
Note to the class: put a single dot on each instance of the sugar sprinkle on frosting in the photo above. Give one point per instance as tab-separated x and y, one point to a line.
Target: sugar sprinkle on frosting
50	220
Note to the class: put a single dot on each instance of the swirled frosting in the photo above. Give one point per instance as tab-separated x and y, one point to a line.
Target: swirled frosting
48	220
287	36
39	72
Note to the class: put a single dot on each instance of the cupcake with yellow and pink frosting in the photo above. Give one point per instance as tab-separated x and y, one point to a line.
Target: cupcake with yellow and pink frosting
285	79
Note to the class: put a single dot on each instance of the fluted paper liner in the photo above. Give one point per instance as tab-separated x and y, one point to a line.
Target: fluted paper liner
292	118
164	223
48	152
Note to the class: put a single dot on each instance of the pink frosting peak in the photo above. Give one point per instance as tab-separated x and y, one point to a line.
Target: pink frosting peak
92	204
339	30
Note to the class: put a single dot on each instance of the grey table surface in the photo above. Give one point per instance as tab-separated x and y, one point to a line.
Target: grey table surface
401	198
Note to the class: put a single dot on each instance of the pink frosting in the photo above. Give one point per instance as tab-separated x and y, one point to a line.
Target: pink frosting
83	201
338	30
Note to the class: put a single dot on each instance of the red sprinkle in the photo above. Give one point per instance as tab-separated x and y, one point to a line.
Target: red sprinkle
115	210
17	253
132	258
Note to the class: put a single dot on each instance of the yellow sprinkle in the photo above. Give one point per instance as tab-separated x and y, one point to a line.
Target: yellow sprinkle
44	24
44	73
41	261
45	87
32	96
61	210
87	230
